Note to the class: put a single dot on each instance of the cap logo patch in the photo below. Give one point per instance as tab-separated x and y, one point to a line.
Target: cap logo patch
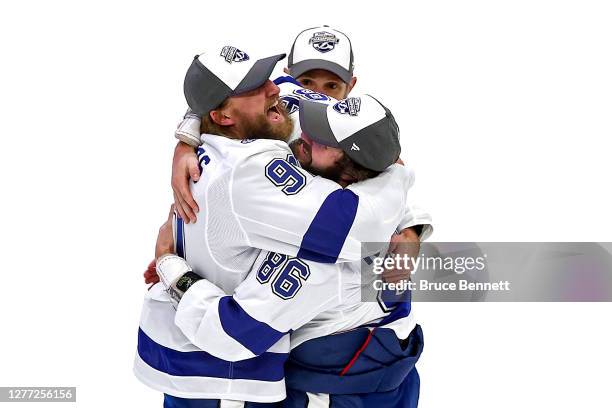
311	95
233	54
355	147
323	41
348	105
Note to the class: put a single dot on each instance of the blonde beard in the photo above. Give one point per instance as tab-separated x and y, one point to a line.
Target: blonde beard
261	128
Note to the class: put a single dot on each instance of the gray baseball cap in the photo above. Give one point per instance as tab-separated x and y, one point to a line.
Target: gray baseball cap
321	48
215	76
361	126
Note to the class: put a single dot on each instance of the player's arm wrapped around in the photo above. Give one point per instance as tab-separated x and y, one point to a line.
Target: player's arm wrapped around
283	208
415	216
281	294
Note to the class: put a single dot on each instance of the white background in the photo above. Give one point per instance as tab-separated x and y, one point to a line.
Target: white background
505	110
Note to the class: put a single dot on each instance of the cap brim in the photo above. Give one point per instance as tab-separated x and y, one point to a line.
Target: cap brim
302	67
258	74
314	122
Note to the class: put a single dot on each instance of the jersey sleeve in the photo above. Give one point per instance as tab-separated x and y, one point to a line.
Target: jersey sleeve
283	208
280	294
414	215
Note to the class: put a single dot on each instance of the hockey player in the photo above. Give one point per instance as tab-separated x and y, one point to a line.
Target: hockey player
321	60
257	201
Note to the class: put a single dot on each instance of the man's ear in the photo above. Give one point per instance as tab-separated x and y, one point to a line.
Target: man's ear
221	117
351	85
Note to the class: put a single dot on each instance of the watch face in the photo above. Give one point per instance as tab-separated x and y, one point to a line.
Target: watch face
186	281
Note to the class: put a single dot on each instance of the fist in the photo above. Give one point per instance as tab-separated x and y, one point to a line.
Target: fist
150	275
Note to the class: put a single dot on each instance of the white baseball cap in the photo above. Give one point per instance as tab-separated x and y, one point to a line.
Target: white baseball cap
214	76
361	126
321	48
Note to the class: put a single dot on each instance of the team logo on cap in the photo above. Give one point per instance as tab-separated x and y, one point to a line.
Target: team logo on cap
348	105
311	95
323	41
233	54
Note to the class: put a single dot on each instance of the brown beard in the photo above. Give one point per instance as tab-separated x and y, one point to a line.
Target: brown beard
332	173
261	128
344	171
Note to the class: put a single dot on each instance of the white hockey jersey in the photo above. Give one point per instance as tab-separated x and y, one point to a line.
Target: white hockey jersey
259	211
270	234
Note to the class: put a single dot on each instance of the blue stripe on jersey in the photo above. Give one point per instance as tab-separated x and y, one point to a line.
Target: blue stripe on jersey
328	230
399	305
180	237
251	333
401	310
267	367
285	79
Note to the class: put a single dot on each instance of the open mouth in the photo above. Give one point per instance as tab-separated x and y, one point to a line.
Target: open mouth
273	113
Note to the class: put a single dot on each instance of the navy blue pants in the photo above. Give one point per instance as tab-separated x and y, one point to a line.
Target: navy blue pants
381	374
404	396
